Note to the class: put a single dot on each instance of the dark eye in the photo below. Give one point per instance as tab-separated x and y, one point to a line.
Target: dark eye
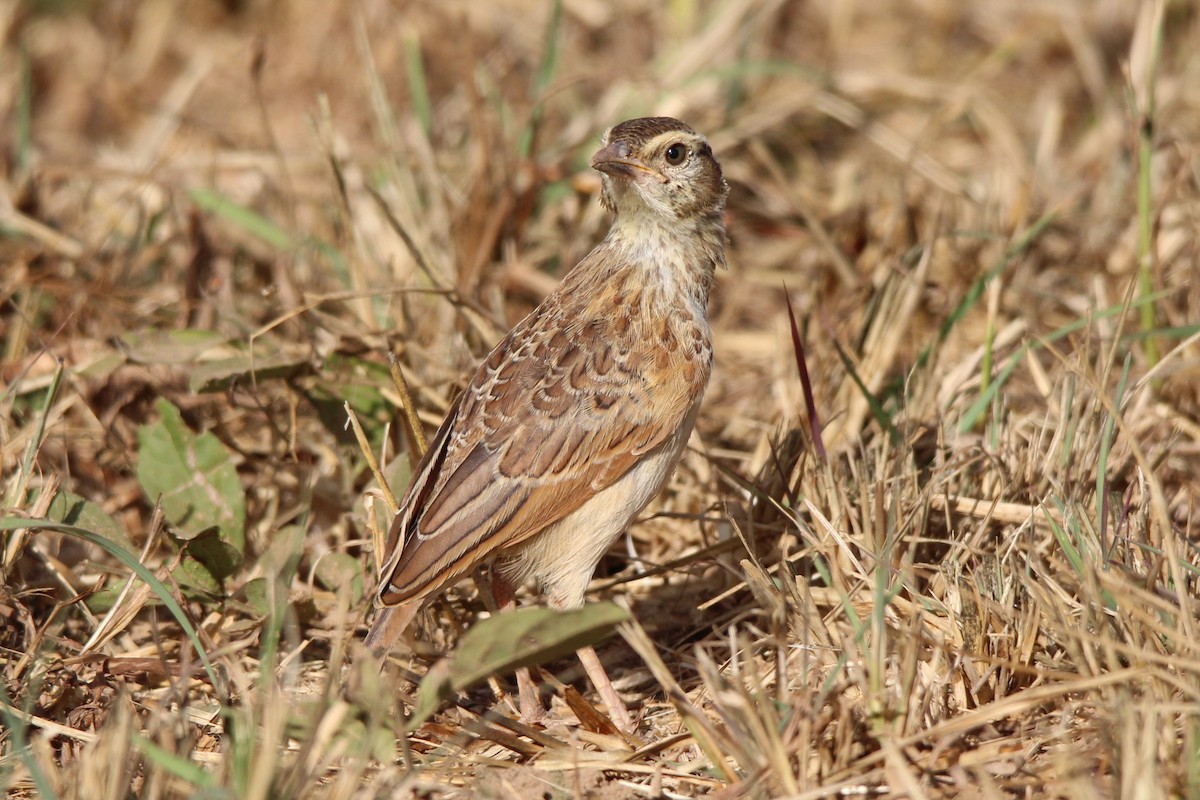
676	154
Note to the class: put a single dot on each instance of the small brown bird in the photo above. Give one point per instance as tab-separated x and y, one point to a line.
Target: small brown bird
577	417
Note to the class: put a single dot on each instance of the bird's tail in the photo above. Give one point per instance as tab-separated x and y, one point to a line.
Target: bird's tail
389	623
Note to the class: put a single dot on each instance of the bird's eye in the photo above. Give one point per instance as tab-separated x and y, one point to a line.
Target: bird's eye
676	154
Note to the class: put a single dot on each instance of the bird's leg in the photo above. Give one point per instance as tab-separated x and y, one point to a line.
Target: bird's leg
604	688
570	595
503	597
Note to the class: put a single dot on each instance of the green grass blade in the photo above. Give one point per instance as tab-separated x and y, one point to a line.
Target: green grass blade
418	86
983	402
1169	332
23	117
1145	189
1068	539
1106	441
1072	421
131	561
545	74
250	221
173	764
17	727
17	498
1065	541
880	414
981	283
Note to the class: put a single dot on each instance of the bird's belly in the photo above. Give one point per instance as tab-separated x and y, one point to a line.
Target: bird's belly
563	557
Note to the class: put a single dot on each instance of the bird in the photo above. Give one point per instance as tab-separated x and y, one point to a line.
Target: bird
577	418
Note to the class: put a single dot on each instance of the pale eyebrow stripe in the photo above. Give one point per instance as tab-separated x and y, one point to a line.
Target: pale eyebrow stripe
691	139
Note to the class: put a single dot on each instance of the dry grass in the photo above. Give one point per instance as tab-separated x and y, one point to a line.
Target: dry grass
985	216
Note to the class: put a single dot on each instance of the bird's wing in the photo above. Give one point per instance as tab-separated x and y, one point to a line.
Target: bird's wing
558	412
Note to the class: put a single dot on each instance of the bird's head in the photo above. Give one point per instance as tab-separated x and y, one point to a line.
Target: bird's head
659	165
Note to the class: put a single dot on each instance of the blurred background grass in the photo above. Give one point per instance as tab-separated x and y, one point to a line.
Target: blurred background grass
218	218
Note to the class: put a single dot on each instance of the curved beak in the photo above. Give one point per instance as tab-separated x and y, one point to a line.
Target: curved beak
615	159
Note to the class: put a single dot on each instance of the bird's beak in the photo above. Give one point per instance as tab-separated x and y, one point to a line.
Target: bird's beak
615	159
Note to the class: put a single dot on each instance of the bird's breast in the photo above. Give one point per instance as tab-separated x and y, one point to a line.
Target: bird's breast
646	331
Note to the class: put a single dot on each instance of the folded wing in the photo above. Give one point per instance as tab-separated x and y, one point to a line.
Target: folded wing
557	413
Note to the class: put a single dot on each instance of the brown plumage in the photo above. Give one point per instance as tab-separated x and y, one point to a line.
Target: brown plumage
577	417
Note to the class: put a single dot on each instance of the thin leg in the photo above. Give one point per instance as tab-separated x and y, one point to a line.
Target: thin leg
530	701
571	596
604	688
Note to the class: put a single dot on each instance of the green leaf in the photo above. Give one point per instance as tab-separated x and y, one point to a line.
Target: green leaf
519	638
102	601
398	474
194	476
329	397
527	636
257	595
347	379
358	382
436	687
216	376
170	346
71	509
102	366
337	570
282	555
218	556
195	577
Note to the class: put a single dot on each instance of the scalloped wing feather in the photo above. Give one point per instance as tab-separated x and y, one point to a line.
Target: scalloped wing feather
559	411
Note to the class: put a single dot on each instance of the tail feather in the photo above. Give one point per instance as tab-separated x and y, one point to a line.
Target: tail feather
389	623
